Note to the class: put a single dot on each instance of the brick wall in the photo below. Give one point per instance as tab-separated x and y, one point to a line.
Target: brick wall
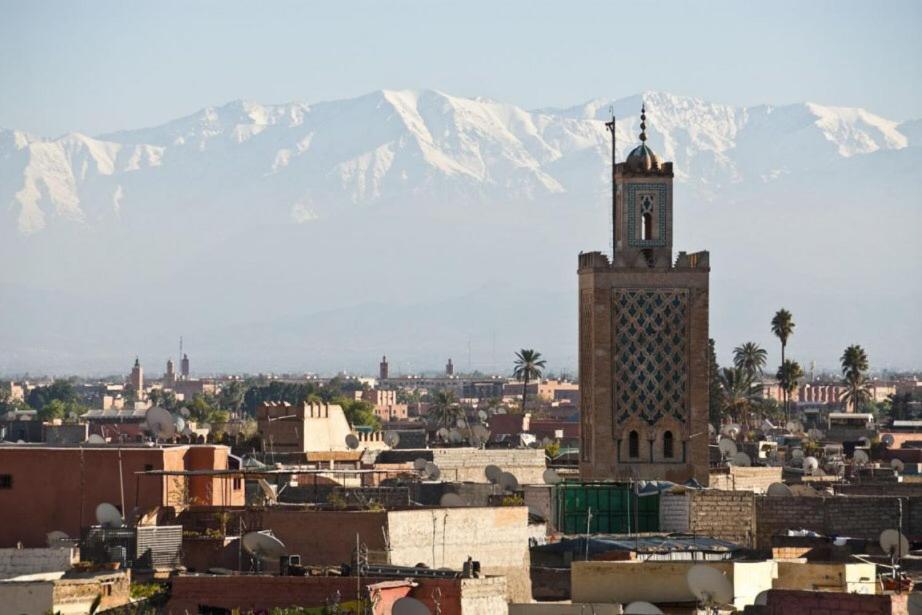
736	478
785	602
673	512
14	562
729	515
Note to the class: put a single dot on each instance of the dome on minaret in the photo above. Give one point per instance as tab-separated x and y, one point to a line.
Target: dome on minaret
642	158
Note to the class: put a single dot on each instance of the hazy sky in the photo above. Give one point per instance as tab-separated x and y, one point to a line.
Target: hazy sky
106	65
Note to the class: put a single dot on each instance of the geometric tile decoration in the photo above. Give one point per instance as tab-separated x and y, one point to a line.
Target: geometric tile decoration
645	198
650	348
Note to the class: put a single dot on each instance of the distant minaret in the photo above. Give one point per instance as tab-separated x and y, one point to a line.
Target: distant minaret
449	369
169	378
136	379
184	367
382	368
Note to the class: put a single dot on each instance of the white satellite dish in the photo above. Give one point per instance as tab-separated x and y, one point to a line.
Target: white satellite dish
432	471
860	457
894	544
551	477
184	412
95	438
482	414
887	440
897	464
727	447
442	433
797	453
455	437
263	546
419	464
810	464
778	490
352	441
508	481
741	459
409	606
711	429
452	500
642	608
794	427
461	423
108	515
180	423
761	598
709	585
159	423
53	538
392	439
492	473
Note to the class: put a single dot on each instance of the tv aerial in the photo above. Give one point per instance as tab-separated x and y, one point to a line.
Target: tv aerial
897	464
642	608
452	500
741	459
352	441
392	439
109	516
710	586
551	477
409	606
779	490
493	473
263	546
159	423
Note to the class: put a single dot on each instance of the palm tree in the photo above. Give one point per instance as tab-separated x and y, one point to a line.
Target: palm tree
789	374
528	366
444	409
783	328
751	358
854	362
738	393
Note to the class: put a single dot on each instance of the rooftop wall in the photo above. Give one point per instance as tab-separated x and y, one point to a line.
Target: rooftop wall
14	562
468	464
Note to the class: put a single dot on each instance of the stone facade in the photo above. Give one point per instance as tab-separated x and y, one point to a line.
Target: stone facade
643	340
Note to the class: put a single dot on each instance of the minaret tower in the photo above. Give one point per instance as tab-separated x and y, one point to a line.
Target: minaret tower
643	336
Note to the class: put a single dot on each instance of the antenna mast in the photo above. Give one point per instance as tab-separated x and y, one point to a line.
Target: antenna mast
610	125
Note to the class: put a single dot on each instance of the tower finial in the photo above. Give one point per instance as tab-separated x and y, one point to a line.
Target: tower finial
643	121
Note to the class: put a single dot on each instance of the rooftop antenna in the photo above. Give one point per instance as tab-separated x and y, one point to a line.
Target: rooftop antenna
611	125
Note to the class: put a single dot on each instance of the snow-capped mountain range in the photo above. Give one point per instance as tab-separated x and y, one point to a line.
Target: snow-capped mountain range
334	191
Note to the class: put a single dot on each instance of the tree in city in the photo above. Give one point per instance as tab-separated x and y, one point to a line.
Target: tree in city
739	395
854	361
61	390
528	366
230	397
444	409
789	375
783	328
715	405
359	412
751	358
900	406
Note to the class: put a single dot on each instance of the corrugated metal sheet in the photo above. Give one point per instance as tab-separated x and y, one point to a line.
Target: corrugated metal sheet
159	546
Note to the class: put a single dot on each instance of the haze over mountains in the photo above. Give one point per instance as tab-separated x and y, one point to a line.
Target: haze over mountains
320	236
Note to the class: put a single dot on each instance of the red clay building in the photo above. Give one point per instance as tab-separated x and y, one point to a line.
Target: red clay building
45	488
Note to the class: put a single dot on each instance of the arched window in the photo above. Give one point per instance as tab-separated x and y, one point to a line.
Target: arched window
633	445
668	445
646	231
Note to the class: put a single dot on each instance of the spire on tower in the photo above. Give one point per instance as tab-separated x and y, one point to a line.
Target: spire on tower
643	122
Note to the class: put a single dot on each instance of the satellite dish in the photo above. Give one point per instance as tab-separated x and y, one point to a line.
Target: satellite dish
894	543
897	464
642	608
442	433
761	598
452	500
352	441
493	473
263	546
797	453
865	441
860	457
508	481
476	441
159	423
108	515
461	423
179	423
482	414
778	490
810	464
53	538
184	412
419	464
551	477
409	606
392	439
95	438
804	491
727	447
887	440
432	471
709	585
711	429
455	436
741	459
